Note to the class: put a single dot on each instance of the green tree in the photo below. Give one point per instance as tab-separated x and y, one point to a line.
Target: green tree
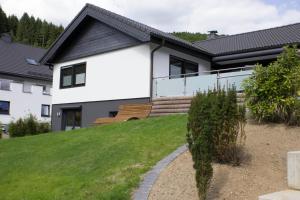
13	22
272	91
191	37
3	22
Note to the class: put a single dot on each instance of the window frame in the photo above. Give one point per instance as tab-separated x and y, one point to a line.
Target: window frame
8	113
42	115
73	75
183	68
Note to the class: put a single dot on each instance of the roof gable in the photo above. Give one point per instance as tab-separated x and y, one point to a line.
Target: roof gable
139	31
253	41
93	37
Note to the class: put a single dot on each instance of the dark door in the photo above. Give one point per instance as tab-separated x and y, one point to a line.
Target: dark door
71	119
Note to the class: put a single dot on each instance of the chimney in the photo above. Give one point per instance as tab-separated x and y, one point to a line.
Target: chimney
212	34
6	37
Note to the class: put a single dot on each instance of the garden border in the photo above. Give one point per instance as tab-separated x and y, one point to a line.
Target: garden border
143	191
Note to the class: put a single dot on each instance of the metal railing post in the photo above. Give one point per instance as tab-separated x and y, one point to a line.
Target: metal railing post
184	87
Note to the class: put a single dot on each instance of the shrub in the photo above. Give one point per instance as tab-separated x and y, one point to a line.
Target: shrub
271	92
0	130
215	132
200	140
43	127
17	129
27	126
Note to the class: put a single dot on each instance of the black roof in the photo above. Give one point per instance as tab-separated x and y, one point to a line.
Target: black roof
13	61
253	41
135	29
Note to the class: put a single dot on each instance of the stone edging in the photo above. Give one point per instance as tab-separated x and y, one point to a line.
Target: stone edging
144	189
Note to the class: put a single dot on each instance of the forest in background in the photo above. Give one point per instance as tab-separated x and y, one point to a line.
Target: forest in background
29	30
40	33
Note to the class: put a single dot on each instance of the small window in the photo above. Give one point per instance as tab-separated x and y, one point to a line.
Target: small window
5	84
45	110
4	107
31	61
73	76
46	89
27	87
113	113
179	67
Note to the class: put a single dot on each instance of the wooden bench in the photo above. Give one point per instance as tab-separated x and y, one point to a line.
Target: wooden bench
127	112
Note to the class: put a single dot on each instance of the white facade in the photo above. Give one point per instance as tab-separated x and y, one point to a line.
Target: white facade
161	61
120	74
24	103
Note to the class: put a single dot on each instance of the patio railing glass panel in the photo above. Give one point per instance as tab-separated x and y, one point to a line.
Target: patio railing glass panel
189	85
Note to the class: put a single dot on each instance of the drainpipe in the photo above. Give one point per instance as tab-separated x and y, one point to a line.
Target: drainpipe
151	66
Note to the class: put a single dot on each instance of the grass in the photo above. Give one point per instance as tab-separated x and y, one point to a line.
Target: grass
104	162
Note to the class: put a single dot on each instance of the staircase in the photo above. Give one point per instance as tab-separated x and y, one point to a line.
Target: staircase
240	98
170	105
178	105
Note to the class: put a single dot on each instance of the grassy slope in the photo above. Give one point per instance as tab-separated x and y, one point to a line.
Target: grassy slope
103	162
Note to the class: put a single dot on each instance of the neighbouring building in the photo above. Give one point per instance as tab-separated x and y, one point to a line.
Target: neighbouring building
25	86
103	60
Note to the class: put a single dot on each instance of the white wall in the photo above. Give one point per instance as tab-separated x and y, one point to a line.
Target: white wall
121	74
22	104
162	59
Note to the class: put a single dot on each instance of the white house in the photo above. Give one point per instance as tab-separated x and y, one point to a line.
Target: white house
25	86
103	60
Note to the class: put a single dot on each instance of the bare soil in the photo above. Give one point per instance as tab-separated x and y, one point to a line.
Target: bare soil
263	170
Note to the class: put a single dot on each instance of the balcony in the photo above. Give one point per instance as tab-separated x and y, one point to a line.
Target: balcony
190	84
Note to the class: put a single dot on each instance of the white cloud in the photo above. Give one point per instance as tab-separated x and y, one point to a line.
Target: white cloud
226	16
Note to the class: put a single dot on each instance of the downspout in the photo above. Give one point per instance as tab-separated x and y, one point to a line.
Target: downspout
151	66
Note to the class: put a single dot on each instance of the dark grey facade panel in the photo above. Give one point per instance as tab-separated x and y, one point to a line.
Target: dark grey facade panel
94	37
90	110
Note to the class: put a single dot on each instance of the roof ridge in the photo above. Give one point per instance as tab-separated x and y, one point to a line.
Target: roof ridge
266	29
136	24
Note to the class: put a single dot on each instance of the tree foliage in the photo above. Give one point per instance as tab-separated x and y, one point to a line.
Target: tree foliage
272	92
191	37
29	30
215	133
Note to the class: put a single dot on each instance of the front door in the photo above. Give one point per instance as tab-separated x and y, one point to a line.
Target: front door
71	119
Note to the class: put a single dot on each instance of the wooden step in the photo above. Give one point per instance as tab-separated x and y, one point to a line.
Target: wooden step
173	98
170	110
165	102
164	114
170	106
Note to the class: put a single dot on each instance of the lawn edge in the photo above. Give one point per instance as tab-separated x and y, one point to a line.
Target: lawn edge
143	191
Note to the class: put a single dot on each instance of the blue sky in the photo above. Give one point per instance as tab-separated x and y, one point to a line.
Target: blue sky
226	16
285	4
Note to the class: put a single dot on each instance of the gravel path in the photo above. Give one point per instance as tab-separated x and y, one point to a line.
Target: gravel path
263	172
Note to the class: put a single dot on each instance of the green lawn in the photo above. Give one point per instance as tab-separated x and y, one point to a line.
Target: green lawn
103	162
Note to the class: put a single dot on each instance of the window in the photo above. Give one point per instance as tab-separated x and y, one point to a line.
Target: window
179	66
31	61
4	107
46	89
112	113
5	84
27	87
73	76
45	110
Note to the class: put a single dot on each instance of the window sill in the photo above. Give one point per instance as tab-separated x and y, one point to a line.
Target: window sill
27	92
45	116
5	90
4	114
47	94
69	87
